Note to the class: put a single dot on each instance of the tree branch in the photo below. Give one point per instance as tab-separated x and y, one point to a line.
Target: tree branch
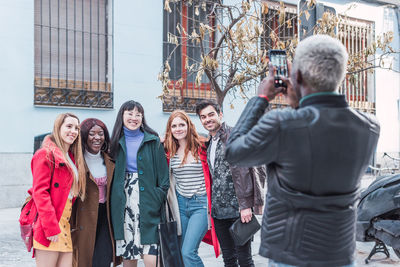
371	67
226	33
246	79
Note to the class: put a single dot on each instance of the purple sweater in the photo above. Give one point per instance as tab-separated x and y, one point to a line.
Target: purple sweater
133	139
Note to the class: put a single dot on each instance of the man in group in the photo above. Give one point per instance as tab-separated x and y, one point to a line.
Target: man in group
316	156
235	191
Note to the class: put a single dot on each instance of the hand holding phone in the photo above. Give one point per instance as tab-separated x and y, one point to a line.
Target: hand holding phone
267	85
278	59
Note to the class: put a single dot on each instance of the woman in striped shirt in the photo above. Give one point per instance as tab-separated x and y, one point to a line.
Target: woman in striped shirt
190	186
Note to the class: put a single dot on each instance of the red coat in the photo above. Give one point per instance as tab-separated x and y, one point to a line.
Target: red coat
210	237
49	199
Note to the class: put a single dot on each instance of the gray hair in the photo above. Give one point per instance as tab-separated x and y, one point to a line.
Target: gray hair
321	61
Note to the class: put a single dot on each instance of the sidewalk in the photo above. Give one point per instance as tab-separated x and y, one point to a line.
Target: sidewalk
13	252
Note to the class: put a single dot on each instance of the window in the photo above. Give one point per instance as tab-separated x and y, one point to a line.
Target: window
357	35
278	36
181	52
73	53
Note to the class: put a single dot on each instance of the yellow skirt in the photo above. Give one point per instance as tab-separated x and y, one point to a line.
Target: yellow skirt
64	243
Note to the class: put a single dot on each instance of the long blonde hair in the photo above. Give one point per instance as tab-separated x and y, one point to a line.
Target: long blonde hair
193	139
78	185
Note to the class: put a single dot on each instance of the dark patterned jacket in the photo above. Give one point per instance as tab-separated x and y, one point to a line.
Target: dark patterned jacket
234	188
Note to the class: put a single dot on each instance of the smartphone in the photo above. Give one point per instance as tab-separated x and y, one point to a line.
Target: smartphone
278	58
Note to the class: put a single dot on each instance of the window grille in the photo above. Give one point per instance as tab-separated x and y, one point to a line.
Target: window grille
73	53
181	52
276	35
357	35
274	32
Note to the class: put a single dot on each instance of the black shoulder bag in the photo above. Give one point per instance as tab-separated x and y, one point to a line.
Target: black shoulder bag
170	249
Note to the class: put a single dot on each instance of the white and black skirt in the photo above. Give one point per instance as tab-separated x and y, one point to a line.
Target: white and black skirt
130	248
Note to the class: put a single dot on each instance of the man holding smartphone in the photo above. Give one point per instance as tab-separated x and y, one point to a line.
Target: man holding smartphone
316	156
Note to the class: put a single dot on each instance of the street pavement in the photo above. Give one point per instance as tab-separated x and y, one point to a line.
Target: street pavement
14	254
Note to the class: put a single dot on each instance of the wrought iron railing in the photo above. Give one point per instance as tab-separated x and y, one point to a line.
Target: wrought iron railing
73	54
181	52
355	34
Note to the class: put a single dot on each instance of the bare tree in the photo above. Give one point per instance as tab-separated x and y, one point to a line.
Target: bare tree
241	35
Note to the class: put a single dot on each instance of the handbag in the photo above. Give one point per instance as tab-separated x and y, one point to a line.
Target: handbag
170	249
26	221
28	218
242	232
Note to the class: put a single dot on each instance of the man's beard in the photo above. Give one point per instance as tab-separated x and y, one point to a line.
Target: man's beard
215	127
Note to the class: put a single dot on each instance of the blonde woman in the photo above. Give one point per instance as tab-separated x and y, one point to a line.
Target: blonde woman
58	177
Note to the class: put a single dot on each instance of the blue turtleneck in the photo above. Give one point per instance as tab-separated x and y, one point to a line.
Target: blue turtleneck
133	139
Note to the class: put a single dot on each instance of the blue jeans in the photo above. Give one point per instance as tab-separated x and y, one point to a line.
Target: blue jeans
193	213
278	264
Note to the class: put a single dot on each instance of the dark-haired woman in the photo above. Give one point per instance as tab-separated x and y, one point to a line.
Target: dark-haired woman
139	187
58	178
92	239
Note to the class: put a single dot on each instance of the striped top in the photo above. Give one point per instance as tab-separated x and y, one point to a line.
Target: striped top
189	177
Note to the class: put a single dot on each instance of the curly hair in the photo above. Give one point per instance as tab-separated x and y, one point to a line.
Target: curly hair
88	124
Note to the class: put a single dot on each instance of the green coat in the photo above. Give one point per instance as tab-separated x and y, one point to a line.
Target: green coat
153	187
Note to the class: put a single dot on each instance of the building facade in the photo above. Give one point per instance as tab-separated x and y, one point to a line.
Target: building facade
90	56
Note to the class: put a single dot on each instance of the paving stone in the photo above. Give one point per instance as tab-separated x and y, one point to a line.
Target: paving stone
14	254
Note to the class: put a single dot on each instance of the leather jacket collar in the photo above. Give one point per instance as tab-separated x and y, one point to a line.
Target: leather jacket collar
223	133
325	100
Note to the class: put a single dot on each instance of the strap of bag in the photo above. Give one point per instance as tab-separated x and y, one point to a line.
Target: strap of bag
52	170
164	208
158	252
169	212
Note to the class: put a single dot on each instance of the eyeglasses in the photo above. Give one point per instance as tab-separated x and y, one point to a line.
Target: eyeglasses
136	115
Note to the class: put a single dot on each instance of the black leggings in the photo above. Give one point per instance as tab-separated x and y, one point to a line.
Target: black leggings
102	255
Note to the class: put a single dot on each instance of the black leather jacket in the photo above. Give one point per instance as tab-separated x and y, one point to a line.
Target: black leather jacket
316	156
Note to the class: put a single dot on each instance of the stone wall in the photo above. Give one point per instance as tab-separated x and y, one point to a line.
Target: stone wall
15	178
